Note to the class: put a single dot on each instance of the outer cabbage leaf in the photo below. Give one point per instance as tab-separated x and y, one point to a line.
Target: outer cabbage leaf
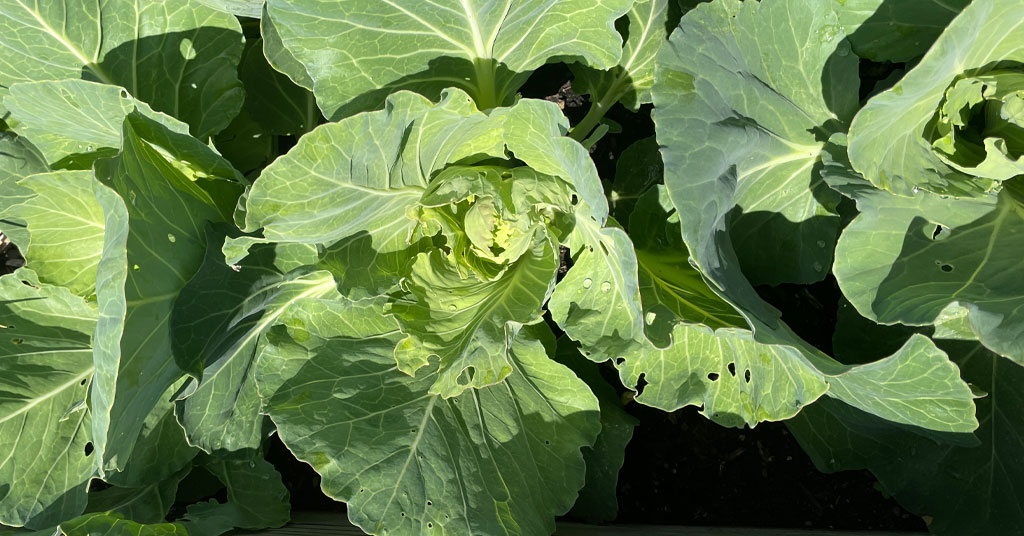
967	484
218	323
637	170
179	57
279	57
65	222
705	185
740	381
242	8
928	253
896	30
45	367
891	139
18	159
503	459
357	53
597	303
155	211
147	504
736	114
161	450
273	100
671	290
114	524
597	502
74	122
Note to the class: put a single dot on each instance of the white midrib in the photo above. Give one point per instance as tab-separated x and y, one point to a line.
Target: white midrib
48	395
67	44
478	40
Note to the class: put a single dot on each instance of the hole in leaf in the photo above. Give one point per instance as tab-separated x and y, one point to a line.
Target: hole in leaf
620	360
403	514
83	381
732	369
641	382
713	376
746	375
124	93
574	199
430	503
546	442
937	232
430	525
946	268
88	449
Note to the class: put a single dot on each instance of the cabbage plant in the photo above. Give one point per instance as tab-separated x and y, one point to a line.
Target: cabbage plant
344	224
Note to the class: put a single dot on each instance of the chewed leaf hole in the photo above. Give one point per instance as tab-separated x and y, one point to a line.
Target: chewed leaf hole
430	525
89	449
940	232
83	382
429	503
746	375
641	382
732	369
946	268
713	376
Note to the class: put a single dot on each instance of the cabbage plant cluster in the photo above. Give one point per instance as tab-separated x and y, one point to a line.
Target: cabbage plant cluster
343	224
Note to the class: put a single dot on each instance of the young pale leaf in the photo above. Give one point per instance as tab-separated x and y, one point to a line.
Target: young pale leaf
179	57
883	30
504	459
728	113
362	173
535	134
929	252
470	324
891	139
155	216
65	222
45	367
18	159
218	324
356	54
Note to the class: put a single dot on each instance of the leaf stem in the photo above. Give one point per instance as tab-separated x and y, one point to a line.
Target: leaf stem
596	112
486	90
